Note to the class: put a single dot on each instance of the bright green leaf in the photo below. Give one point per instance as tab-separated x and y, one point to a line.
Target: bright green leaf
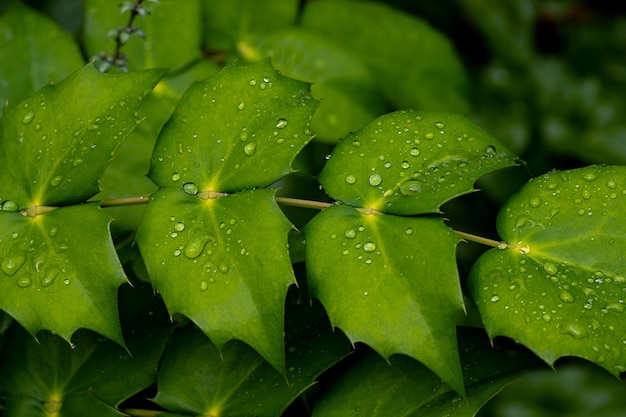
54	276
56	143
415	65
223	263
29	63
390	282
560	286
195	378
349	97
239	129
403	387
410	162
40	376
173	32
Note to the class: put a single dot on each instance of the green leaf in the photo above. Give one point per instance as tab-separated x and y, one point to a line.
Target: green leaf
410	162
40	376
559	286
411	390
25	39
223	263
55	276
226	22
390	282
196	379
415	65
349	97
173	32
239	129
57	143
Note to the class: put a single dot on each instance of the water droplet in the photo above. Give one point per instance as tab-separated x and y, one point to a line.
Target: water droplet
611	184
356	143
495	298
535	202
405	164
252	82
53	231
366	293
281	123
241	106
409	231
589	176
24	281
250	148
77	162
28	117
13	261
429	135
369	247
196	246
56	180
490	150
204	286
439	125
414	152
575	330
550	268
350	233
375	180
66	281
410	188
175	177
190	188
50	277
350	179
179	227
10	205
223	268
177	252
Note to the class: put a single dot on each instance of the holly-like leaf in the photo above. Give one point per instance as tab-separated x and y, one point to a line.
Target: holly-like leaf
410	162
55	276
559	288
415	65
411	390
196	379
25	39
239	129
49	377
56	143
390	282
224	263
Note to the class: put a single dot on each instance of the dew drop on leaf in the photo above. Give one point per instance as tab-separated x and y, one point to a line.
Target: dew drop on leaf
414	152
375	180
241	106
56	180
179	227
24	281
350	233
409	231
250	148
13	261
574	330
223	268
410	188
190	188
196	246
28	117
281	123
350	179
369	247
49	278
10	205
175	176
550	268
53	231
204	286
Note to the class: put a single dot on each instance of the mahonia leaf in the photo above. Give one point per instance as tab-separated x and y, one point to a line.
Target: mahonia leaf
224	263
57	143
49	377
411	390
390	282
55	276
196	379
25	39
559	287
410	162
239	129
415	65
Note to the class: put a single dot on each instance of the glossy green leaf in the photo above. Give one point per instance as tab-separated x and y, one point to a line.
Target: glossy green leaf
410	162
54	276
223	263
560	288
57	142
403	387
415	65
390	282
196	379
239	129
173	32
226	22
349	97
44	376
29	61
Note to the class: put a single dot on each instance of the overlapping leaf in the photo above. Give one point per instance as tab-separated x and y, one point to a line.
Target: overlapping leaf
239	129
390	282
560	288
55	145
403	387
410	162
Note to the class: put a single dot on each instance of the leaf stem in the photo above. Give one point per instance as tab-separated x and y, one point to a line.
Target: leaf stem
125	201
483	240
297	202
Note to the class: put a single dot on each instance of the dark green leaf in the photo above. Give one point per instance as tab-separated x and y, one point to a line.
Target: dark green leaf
559	288
29	61
415	65
55	276
390	282
57	142
239	129
223	263
410	162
